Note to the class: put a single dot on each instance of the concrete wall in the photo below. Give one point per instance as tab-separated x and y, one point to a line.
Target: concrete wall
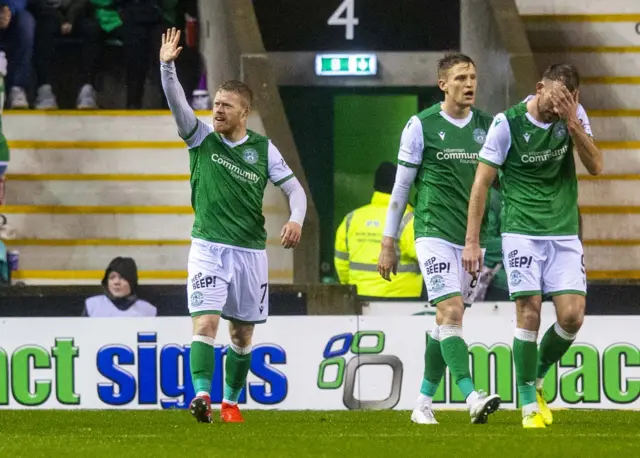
479	37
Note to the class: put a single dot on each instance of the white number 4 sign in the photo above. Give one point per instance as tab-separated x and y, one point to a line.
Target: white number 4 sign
344	15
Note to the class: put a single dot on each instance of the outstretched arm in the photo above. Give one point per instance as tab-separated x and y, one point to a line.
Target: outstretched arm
190	128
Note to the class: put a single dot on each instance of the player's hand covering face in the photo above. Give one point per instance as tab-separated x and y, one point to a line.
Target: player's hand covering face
460	84
230	111
565	104
290	235
555	101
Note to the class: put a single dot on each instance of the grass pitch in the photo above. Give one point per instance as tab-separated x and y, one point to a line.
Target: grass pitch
121	434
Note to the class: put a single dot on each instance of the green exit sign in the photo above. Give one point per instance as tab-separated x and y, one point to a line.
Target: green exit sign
346	64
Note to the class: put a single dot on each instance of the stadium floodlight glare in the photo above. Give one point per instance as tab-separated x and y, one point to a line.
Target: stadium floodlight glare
346	64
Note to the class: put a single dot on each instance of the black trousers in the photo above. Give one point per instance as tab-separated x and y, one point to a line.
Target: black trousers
48	27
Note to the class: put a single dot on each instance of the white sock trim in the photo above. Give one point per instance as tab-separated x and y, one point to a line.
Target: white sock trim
240	350
526	335
449	330
528	409
424	400
562	333
435	334
231	403
204	339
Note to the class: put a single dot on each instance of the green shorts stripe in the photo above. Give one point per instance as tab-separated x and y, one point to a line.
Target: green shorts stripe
565	291
518	294
236	320
437	300
206	312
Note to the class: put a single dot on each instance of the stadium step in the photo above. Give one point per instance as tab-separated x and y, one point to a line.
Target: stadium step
95	254
86	186
98	222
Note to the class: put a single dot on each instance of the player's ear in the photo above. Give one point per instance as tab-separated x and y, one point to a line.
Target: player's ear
442	84
539	86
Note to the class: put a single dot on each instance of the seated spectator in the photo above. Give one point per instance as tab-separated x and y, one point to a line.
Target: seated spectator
5	278
120	283
144	23
4	147
65	18
17	29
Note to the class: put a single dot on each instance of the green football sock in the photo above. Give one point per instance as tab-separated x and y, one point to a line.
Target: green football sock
525	356
236	368
555	343
202	361
434	365
456	355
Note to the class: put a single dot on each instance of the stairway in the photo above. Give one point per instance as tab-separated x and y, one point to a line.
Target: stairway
603	40
85	187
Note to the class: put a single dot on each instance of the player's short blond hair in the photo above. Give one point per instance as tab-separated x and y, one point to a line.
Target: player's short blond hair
239	88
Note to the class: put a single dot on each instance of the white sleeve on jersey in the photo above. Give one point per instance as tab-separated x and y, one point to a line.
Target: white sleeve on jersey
190	128
498	141
405	176
409	160
411	144
279	171
281	175
584	120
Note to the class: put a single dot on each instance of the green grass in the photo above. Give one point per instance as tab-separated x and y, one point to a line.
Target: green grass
121	434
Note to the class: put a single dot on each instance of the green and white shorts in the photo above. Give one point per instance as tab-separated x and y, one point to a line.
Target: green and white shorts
228	281
442	270
543	267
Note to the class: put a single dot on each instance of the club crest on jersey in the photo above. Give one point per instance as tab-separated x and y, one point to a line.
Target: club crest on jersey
526	136
560	130
479	135
441	135
250	156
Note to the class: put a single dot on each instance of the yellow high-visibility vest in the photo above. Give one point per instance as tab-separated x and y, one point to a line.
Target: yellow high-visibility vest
357	248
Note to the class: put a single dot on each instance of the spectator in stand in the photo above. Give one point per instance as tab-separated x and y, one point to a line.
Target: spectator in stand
4	147
16	39
65	18
144	23
120	283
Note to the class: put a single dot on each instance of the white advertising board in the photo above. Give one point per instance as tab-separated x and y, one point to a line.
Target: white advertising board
319	363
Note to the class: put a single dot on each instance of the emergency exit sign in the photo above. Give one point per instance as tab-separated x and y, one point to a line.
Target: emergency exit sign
346	64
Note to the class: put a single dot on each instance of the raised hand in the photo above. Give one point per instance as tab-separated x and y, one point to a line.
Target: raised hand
170	49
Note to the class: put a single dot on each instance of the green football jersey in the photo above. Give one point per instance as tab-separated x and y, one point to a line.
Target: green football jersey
227	189
539	181
445	151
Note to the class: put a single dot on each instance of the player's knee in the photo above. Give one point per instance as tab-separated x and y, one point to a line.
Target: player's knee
205	325
528	312
451	310
241	334
571	321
